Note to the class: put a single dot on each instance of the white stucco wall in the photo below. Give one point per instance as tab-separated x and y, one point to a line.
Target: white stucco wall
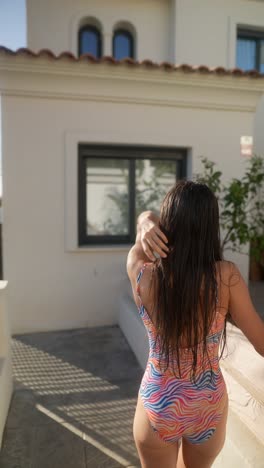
53	284
205	31
6	381
54	24
180	31
259	128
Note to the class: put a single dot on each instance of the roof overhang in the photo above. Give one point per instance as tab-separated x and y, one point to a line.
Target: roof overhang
85	78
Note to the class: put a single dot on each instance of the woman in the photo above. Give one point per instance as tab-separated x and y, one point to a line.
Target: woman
183	298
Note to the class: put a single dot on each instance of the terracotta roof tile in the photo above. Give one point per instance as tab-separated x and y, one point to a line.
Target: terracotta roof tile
221	71
185	68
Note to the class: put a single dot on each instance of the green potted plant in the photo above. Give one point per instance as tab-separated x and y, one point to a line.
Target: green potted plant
241	203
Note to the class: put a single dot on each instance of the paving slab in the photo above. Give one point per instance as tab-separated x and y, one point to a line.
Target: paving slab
18	448
56	446
75	395
74	401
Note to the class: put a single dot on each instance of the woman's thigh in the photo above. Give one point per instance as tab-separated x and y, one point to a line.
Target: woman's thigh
153	452
204	454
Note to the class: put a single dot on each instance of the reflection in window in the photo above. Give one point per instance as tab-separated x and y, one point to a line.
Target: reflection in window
117	183
107	197
250	51
246	54
261	64
153	180
123	44
90	41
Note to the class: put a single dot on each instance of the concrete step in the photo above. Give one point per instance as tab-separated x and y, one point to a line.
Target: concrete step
242	449
243	371
133	328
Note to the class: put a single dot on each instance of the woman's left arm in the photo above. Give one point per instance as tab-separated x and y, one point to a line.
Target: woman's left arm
149	239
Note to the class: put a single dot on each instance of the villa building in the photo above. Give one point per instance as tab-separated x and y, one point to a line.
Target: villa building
88	141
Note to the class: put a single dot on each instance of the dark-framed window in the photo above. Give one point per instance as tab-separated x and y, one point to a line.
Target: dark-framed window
123	44
90	41
250	50
117	183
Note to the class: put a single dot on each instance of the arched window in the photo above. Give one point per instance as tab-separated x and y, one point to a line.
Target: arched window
123	44
90	41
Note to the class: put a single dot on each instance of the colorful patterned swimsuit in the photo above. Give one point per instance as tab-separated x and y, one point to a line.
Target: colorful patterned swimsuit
176	407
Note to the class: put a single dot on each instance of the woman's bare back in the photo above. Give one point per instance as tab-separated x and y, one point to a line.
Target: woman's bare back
233	297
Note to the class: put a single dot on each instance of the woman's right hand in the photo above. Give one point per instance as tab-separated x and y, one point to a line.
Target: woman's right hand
152	238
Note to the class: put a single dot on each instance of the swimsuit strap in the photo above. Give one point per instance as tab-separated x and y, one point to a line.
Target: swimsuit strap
138	280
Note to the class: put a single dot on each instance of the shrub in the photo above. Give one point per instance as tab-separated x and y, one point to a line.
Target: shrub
241	203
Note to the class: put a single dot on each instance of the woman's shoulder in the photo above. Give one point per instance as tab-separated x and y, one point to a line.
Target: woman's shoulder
146	274
226	265
226	270
149	269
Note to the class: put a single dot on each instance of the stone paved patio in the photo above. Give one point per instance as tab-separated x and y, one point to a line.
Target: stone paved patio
74	399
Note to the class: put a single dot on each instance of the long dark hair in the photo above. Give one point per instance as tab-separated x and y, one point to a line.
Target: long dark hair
186	289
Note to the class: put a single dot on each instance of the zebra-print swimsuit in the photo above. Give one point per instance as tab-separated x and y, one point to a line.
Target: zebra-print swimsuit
176	407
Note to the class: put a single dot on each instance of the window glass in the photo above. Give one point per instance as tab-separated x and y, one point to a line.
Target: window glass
246	54
107	192
90	42
123	45
261	64
153	180
117	183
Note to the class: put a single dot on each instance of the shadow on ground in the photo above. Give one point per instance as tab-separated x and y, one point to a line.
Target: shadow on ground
74	401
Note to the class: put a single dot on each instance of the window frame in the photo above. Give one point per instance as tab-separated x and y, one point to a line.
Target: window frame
90	27
254	35
127	33
177	155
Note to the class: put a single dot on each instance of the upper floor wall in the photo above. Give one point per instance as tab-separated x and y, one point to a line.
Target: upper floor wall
181	31
206	30
54	24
